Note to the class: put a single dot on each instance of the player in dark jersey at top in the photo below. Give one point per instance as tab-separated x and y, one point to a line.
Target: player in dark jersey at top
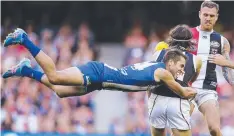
164	105
97	75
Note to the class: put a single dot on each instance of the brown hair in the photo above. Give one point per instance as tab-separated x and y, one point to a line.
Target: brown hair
180	37
173	54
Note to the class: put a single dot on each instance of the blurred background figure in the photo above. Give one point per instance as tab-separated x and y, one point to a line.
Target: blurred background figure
135	38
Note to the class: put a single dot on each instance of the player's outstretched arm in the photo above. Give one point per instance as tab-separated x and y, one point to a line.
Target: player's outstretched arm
165	76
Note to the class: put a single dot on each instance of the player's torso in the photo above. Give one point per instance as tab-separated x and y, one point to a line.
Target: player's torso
207	43
135	77
183	79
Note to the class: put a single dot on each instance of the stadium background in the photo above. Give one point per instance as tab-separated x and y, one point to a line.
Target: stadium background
118	33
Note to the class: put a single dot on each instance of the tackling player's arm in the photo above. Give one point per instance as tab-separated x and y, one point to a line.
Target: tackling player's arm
158	48
198	69
165	76
153	58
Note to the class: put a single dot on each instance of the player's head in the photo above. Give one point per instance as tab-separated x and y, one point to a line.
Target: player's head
208	15
175	61
180	37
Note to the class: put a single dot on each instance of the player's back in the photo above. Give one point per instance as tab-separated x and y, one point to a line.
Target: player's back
135	77
190	71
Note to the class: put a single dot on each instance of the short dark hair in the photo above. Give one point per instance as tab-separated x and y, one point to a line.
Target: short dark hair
210	4
174	54
180	37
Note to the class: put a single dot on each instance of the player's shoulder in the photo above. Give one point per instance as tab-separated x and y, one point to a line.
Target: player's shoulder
159	66
224	40
160	46
161	73
189	54
217	33
195	33
221	35
193	29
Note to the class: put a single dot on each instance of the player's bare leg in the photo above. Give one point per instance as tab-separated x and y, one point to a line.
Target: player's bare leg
70	76
177	132
210	110
64	91
157	132
192	107
23	69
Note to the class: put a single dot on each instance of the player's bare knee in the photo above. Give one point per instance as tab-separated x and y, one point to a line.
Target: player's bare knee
216	132
57	92
60	95
53	79
214	129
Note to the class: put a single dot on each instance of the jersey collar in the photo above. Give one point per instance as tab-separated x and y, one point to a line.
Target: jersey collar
208	32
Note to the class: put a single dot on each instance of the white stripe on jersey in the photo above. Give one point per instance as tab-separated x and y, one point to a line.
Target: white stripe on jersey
194	63
156	55
202	51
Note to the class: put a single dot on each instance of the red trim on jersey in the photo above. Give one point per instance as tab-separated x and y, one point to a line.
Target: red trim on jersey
195	38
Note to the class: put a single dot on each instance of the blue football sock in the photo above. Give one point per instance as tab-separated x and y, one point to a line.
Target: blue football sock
33	49
31	73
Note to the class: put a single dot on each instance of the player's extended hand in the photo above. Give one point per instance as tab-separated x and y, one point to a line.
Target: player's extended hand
217	59
189	93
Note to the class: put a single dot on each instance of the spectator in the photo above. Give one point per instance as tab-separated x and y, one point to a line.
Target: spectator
83	55
135	38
